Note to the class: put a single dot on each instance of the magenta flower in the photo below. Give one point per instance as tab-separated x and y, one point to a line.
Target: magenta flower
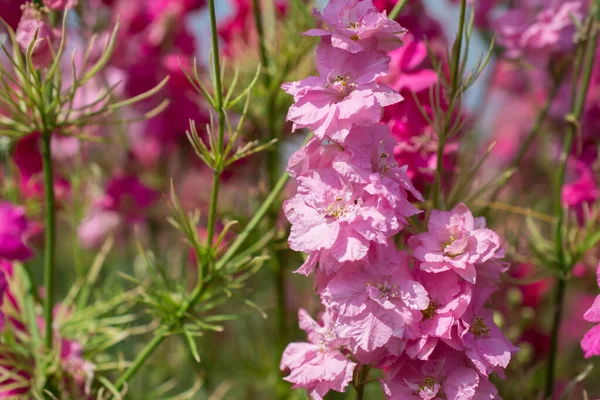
591	340
318	366
377	301
356	25
47	37
60	5
409	68
337	217
454	242
3	287
345	95
128	196
14	233
484	343
581	192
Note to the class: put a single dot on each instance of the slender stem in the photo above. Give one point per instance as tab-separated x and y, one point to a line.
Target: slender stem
50	237
221	112
197	294
556	323
397	8
212	212
455	87
264	59
141	359
360	379
578	103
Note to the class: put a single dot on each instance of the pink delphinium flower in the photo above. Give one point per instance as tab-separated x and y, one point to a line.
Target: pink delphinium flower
356	25
454	242
539	32
320	365
345	95
47	37
79	372
445	376
60	5
484	343
591	340
14	232
377	301
341	218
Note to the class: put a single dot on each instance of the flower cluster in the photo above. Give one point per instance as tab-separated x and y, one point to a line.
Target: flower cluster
418	315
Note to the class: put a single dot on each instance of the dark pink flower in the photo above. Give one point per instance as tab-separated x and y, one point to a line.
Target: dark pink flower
14	233
60	5
581	192
128	196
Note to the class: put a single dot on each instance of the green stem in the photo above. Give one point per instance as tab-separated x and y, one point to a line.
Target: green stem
141	359
455	87
197	294
264	59
397	8
578	104
221	112
556	323
50	242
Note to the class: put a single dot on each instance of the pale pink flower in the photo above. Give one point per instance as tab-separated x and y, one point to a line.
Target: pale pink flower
338	217
377	301
539	31
454	242
14	232
345	95
320	365
356	25
95	228
445	376
591	340
484	344
33	19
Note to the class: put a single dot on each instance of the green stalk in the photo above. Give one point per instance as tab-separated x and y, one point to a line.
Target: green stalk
221	112
272	166
578	104
397	8
50	241
455	87
197	294
141	359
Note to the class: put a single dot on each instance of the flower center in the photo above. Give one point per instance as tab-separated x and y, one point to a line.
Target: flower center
479	328
386	290
428	383
340	84
353	25
336	209
429	312
383	163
